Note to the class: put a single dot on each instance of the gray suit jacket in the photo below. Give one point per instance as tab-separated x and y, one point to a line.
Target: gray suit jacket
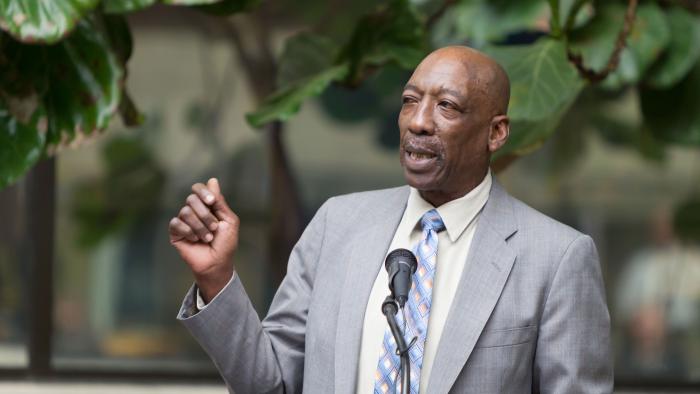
529	314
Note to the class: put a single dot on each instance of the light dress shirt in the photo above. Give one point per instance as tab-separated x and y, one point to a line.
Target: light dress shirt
460	217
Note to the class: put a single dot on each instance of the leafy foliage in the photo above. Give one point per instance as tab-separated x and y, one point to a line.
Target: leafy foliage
287	101
76	87
672	114
481	22
21	142
543	86
42	21
62	73
305	55
84	89
223	7
683	50
392	34
649	36
121	6
660	49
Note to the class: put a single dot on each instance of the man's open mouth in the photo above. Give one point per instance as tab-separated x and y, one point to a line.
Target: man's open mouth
421	156
419	159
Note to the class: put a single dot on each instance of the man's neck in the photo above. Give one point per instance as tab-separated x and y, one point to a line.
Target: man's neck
440	197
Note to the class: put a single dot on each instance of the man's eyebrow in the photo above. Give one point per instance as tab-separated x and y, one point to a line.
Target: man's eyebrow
453	92
409	86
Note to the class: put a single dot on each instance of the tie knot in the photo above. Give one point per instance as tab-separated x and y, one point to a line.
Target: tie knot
431	220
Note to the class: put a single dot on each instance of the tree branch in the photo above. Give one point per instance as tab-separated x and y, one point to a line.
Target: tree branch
597	76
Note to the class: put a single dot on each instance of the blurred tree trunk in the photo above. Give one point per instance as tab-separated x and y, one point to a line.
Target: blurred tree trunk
256	57
286	209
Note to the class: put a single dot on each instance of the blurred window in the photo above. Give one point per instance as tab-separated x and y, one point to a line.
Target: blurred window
13	279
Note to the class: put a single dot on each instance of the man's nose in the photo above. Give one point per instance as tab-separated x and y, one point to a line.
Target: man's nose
422	120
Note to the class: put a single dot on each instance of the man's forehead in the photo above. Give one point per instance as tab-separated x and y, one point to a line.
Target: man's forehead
444	66
443	74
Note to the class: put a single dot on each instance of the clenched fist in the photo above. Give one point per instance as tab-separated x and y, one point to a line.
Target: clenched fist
205	233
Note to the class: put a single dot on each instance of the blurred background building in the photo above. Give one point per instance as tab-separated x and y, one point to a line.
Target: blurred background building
117	283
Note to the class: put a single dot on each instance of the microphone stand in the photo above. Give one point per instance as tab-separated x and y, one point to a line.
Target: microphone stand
390	309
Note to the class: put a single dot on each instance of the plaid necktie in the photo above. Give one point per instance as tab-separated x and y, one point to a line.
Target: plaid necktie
417	313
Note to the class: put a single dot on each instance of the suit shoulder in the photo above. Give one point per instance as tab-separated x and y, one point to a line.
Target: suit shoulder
541	226
370	198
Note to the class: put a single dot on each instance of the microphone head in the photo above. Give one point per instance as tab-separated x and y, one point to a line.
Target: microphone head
401	255
400	265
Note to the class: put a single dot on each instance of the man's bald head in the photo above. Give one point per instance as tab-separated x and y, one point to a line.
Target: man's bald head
483	76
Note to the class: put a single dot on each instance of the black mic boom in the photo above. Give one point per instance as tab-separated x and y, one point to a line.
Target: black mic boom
400	265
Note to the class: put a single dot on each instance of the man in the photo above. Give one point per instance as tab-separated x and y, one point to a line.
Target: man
513	302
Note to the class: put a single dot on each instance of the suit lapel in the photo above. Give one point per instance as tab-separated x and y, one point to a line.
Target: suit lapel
363	264
488	266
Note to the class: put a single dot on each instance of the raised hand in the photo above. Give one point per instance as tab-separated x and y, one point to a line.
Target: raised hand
205	233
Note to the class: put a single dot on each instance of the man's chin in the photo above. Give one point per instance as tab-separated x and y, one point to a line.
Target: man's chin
420	182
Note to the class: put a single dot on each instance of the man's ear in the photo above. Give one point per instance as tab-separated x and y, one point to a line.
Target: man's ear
498	132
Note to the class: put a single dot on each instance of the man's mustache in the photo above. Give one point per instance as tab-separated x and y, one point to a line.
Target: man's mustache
423	145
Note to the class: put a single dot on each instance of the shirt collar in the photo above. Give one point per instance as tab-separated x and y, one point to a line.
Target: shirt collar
456	214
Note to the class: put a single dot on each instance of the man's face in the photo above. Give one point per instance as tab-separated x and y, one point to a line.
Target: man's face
444	130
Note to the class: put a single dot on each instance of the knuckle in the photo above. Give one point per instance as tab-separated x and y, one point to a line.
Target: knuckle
185	211
173	223
191	199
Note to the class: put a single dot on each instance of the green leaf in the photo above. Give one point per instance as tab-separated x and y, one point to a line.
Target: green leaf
42	21
286	102
22	70
189	2
122	6
228	7
542	79
304	55
683	50
23	120
570	14
672	114
543	86
85	83
119	35
393	33
21	141
121	42
221	7
595	42
481	21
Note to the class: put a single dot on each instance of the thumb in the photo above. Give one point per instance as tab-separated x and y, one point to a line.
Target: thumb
220	207
213	186
226	237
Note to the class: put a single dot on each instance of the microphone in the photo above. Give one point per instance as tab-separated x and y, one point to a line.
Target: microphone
400	265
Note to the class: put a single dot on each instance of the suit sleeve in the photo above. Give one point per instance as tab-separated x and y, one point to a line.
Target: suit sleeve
254	356
573	346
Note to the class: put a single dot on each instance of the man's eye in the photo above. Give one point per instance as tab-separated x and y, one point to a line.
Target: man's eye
408	100
446	105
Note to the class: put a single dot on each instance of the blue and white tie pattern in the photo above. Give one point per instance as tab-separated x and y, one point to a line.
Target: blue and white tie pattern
418	311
